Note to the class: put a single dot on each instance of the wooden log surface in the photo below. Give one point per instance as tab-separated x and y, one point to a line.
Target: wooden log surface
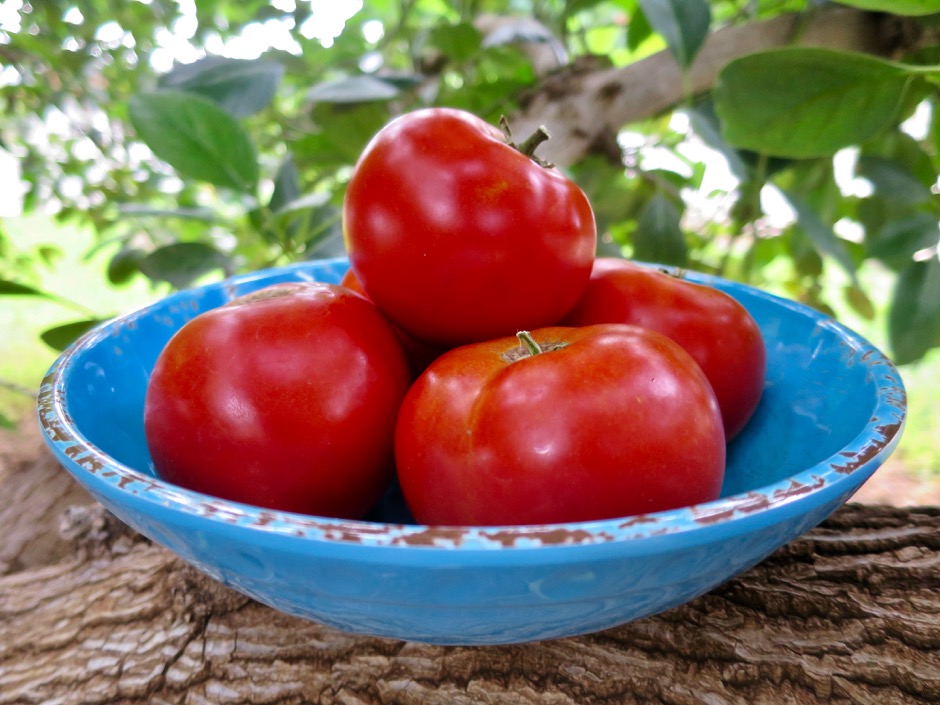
94	613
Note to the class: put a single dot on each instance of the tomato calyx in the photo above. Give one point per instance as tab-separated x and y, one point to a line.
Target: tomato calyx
529	144
528	347
680	273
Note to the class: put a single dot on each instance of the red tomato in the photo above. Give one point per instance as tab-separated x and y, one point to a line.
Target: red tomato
607	421
418	353
351	281
285	398
716	330
460	237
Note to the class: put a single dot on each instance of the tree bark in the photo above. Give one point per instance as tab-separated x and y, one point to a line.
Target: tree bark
849	613
584	106
36	492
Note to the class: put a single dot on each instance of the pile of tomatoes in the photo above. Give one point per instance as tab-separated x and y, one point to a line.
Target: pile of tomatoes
477	350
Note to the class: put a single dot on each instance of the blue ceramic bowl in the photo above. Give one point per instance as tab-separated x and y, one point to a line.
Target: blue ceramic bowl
832	411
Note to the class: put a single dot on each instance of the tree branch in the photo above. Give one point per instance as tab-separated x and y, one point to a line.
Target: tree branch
583	110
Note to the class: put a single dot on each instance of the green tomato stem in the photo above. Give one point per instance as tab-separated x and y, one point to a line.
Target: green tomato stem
530	143
528	343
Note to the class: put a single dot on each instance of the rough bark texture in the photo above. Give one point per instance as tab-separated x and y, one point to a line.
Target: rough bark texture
36	493
848	614
583	106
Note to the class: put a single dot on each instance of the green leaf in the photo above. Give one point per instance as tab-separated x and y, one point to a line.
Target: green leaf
309	201
354	89
934	137
910	155
196	137
49	254
573	7
638	31
805	257
614	198
896	241
182	263
60	337
705	124
914	319
890	180
820	234
286	185
242	87
286	190
859	301
144	211
125	264
342	133
895	7
12	288
658	237
807	102
460	42
324	233
682	23
6	422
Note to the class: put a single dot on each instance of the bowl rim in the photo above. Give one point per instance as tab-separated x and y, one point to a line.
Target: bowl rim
875	440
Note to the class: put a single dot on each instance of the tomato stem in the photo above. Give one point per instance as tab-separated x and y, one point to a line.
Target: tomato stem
528	342
530	143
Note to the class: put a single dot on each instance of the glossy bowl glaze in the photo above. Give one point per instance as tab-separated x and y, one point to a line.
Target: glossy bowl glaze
832	411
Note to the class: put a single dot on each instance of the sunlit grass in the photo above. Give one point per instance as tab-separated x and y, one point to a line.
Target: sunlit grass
24	358
920	447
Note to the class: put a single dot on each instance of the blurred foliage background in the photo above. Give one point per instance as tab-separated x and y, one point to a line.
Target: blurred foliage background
147	145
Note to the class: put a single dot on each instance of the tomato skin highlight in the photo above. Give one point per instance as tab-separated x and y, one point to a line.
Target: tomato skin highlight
458	236
285	399
716	330
616	421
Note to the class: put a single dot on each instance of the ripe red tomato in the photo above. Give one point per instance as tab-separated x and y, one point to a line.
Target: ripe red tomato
607	421
419	354
460	237
716	330
285	398
351	281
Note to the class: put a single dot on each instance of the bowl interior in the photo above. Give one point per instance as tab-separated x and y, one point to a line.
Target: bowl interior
819	393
